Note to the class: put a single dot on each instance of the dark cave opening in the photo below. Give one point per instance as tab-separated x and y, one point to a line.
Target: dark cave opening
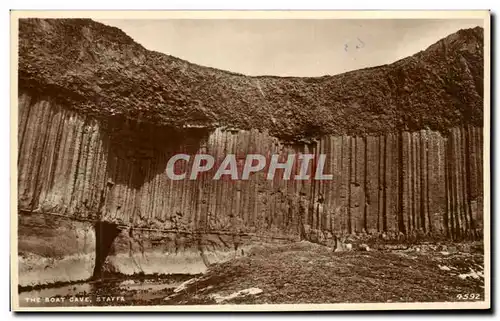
105	234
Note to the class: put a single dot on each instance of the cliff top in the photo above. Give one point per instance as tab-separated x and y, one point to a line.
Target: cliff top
101	71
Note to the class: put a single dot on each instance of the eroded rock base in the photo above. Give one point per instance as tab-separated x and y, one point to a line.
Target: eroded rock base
140	251
54	249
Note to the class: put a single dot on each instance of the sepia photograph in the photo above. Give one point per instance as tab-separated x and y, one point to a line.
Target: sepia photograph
250	161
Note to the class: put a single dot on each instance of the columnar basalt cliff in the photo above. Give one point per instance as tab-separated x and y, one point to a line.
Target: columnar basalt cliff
99	117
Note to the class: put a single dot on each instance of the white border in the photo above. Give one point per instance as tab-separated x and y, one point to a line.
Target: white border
476	14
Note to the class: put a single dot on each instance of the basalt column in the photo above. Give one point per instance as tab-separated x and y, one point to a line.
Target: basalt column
78	172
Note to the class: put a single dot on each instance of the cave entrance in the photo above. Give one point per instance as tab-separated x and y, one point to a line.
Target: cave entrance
105	234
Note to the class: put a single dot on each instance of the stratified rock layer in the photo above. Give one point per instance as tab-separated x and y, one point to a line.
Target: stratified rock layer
99	117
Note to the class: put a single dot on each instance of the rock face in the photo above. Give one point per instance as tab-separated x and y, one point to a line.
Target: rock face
99	117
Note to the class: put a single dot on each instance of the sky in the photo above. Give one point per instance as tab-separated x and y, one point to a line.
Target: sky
289	47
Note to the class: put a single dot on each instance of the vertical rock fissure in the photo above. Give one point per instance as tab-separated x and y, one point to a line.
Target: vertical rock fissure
447	213
75	174
463	188
413	182
427	187
401	224
57	145
349	182
365	187
379	180
384	186
423	174
38	187
451	173
467	182
21	139
469	154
